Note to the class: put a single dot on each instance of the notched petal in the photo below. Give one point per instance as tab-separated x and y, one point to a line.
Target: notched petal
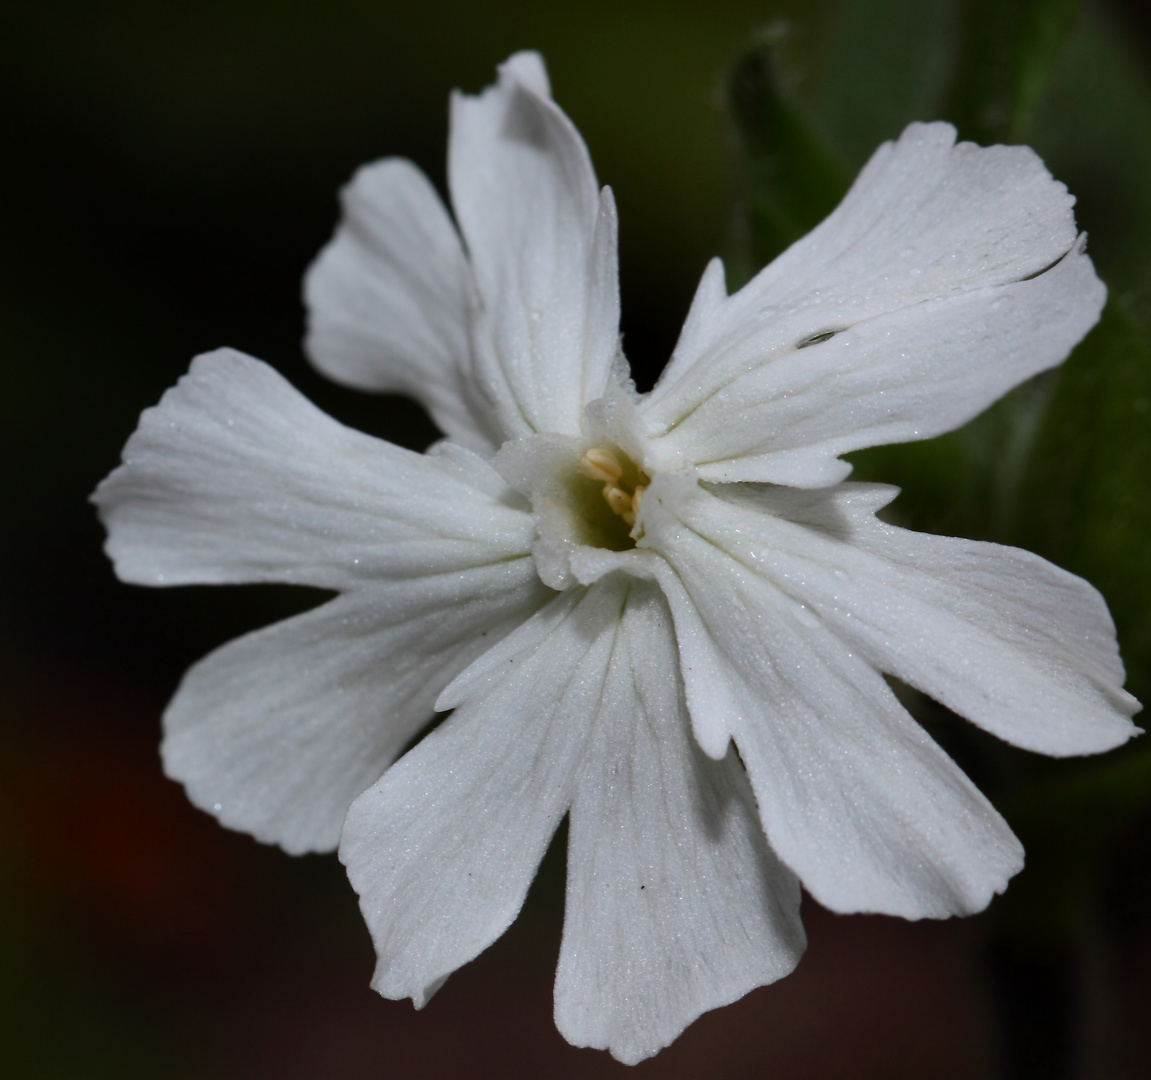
542	242
443	848
948	275
236	477
675	903
390	302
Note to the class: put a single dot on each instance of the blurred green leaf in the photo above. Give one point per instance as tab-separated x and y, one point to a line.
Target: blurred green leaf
1093	129
967	482
1008	51
793	181
876	66
1085	502
880	65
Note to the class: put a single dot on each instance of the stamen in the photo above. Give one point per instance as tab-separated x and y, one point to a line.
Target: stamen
618	499
600	464
632	510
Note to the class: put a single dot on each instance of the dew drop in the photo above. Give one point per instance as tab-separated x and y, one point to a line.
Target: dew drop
806	616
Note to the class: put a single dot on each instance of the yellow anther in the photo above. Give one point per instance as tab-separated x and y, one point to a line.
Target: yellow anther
601	464
619	501
629	514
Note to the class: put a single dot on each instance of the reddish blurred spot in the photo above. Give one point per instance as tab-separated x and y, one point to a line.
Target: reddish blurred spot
95	830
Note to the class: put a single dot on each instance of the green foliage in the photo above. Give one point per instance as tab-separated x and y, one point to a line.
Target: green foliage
882	63
793	181
1062	465
1006	55
1086	498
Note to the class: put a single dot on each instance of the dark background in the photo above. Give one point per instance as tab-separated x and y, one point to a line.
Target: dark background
169	170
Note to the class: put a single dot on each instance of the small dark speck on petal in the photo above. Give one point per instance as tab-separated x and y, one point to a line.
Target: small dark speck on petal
816	339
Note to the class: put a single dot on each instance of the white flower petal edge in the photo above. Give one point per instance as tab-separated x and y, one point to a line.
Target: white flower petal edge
542	242
236	477
442	849
390	302
521	336
1016	645
675	903
788	605
948	275
853	795
277	732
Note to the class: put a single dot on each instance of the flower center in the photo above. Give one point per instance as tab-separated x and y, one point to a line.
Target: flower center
603	466
581	497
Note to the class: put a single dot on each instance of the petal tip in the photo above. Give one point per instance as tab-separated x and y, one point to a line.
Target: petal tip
527	68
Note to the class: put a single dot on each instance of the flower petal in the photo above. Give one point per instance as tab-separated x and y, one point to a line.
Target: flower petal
389	302
276	733
1018	646
543	249
236	477
442	849
948	275
675	904
853	794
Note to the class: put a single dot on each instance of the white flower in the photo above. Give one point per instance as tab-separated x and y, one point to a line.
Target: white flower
609	589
